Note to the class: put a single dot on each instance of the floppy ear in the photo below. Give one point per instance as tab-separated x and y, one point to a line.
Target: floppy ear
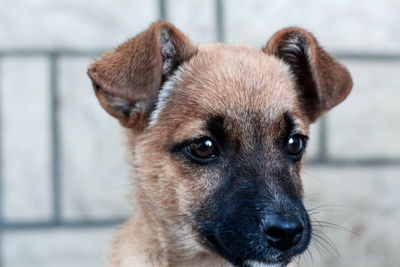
321	81
126	81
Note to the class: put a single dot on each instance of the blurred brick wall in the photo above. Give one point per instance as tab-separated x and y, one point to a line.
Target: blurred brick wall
356	179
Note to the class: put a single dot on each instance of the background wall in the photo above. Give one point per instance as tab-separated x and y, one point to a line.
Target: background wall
63	177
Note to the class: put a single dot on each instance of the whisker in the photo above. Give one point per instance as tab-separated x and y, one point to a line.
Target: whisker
325	224
324	239
320	244
326	206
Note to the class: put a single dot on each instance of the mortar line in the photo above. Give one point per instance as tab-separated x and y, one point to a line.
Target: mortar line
33	52
352	55
162	9
1	170
219	20
78	224
55	138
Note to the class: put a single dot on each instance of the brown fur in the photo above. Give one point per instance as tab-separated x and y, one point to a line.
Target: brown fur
133	73
251	89
328	78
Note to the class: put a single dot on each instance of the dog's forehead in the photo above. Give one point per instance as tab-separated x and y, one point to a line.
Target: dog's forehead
240	76
232	81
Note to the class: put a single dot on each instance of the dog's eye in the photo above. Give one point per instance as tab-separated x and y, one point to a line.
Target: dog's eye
295	146
202	149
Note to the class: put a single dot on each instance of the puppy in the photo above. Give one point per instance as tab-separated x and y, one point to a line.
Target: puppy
218	136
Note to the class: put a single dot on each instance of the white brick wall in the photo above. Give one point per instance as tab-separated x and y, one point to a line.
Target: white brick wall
57	247
183	13
365	202
81	24
25	133
94	175
367	124
341	25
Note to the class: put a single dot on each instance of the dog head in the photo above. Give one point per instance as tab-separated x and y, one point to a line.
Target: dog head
219	134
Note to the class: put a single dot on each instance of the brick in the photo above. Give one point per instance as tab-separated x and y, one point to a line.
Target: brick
195	18
362	200
366	125
25	108
73	24
94	171
57	247
314	142
358	26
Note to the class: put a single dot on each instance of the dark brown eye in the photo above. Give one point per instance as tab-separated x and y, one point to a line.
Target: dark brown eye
295	146
203	149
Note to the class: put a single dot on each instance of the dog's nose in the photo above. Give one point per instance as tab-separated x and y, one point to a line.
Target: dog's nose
282	232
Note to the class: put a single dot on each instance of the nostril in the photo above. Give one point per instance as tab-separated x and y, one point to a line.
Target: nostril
283	233
274	233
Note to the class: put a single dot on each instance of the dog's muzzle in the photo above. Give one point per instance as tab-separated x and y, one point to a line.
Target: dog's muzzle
247	236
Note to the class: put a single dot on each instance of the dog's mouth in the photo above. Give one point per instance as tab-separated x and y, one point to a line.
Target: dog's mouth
253	263
263	256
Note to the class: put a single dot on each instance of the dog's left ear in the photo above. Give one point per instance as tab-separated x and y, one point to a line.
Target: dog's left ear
321	81
127	81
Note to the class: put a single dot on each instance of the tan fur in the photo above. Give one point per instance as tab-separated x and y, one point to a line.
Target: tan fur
236	81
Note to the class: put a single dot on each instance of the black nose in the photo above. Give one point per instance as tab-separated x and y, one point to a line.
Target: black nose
282	232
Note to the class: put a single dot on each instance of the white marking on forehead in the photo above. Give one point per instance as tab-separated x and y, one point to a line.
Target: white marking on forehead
260	264
163	96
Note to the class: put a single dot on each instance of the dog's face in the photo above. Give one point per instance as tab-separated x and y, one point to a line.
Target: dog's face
231	127
219	134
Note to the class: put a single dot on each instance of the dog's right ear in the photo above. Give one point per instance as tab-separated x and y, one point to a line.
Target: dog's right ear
127	81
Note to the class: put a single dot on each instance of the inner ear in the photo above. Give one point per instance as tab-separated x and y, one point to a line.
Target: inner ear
170	60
